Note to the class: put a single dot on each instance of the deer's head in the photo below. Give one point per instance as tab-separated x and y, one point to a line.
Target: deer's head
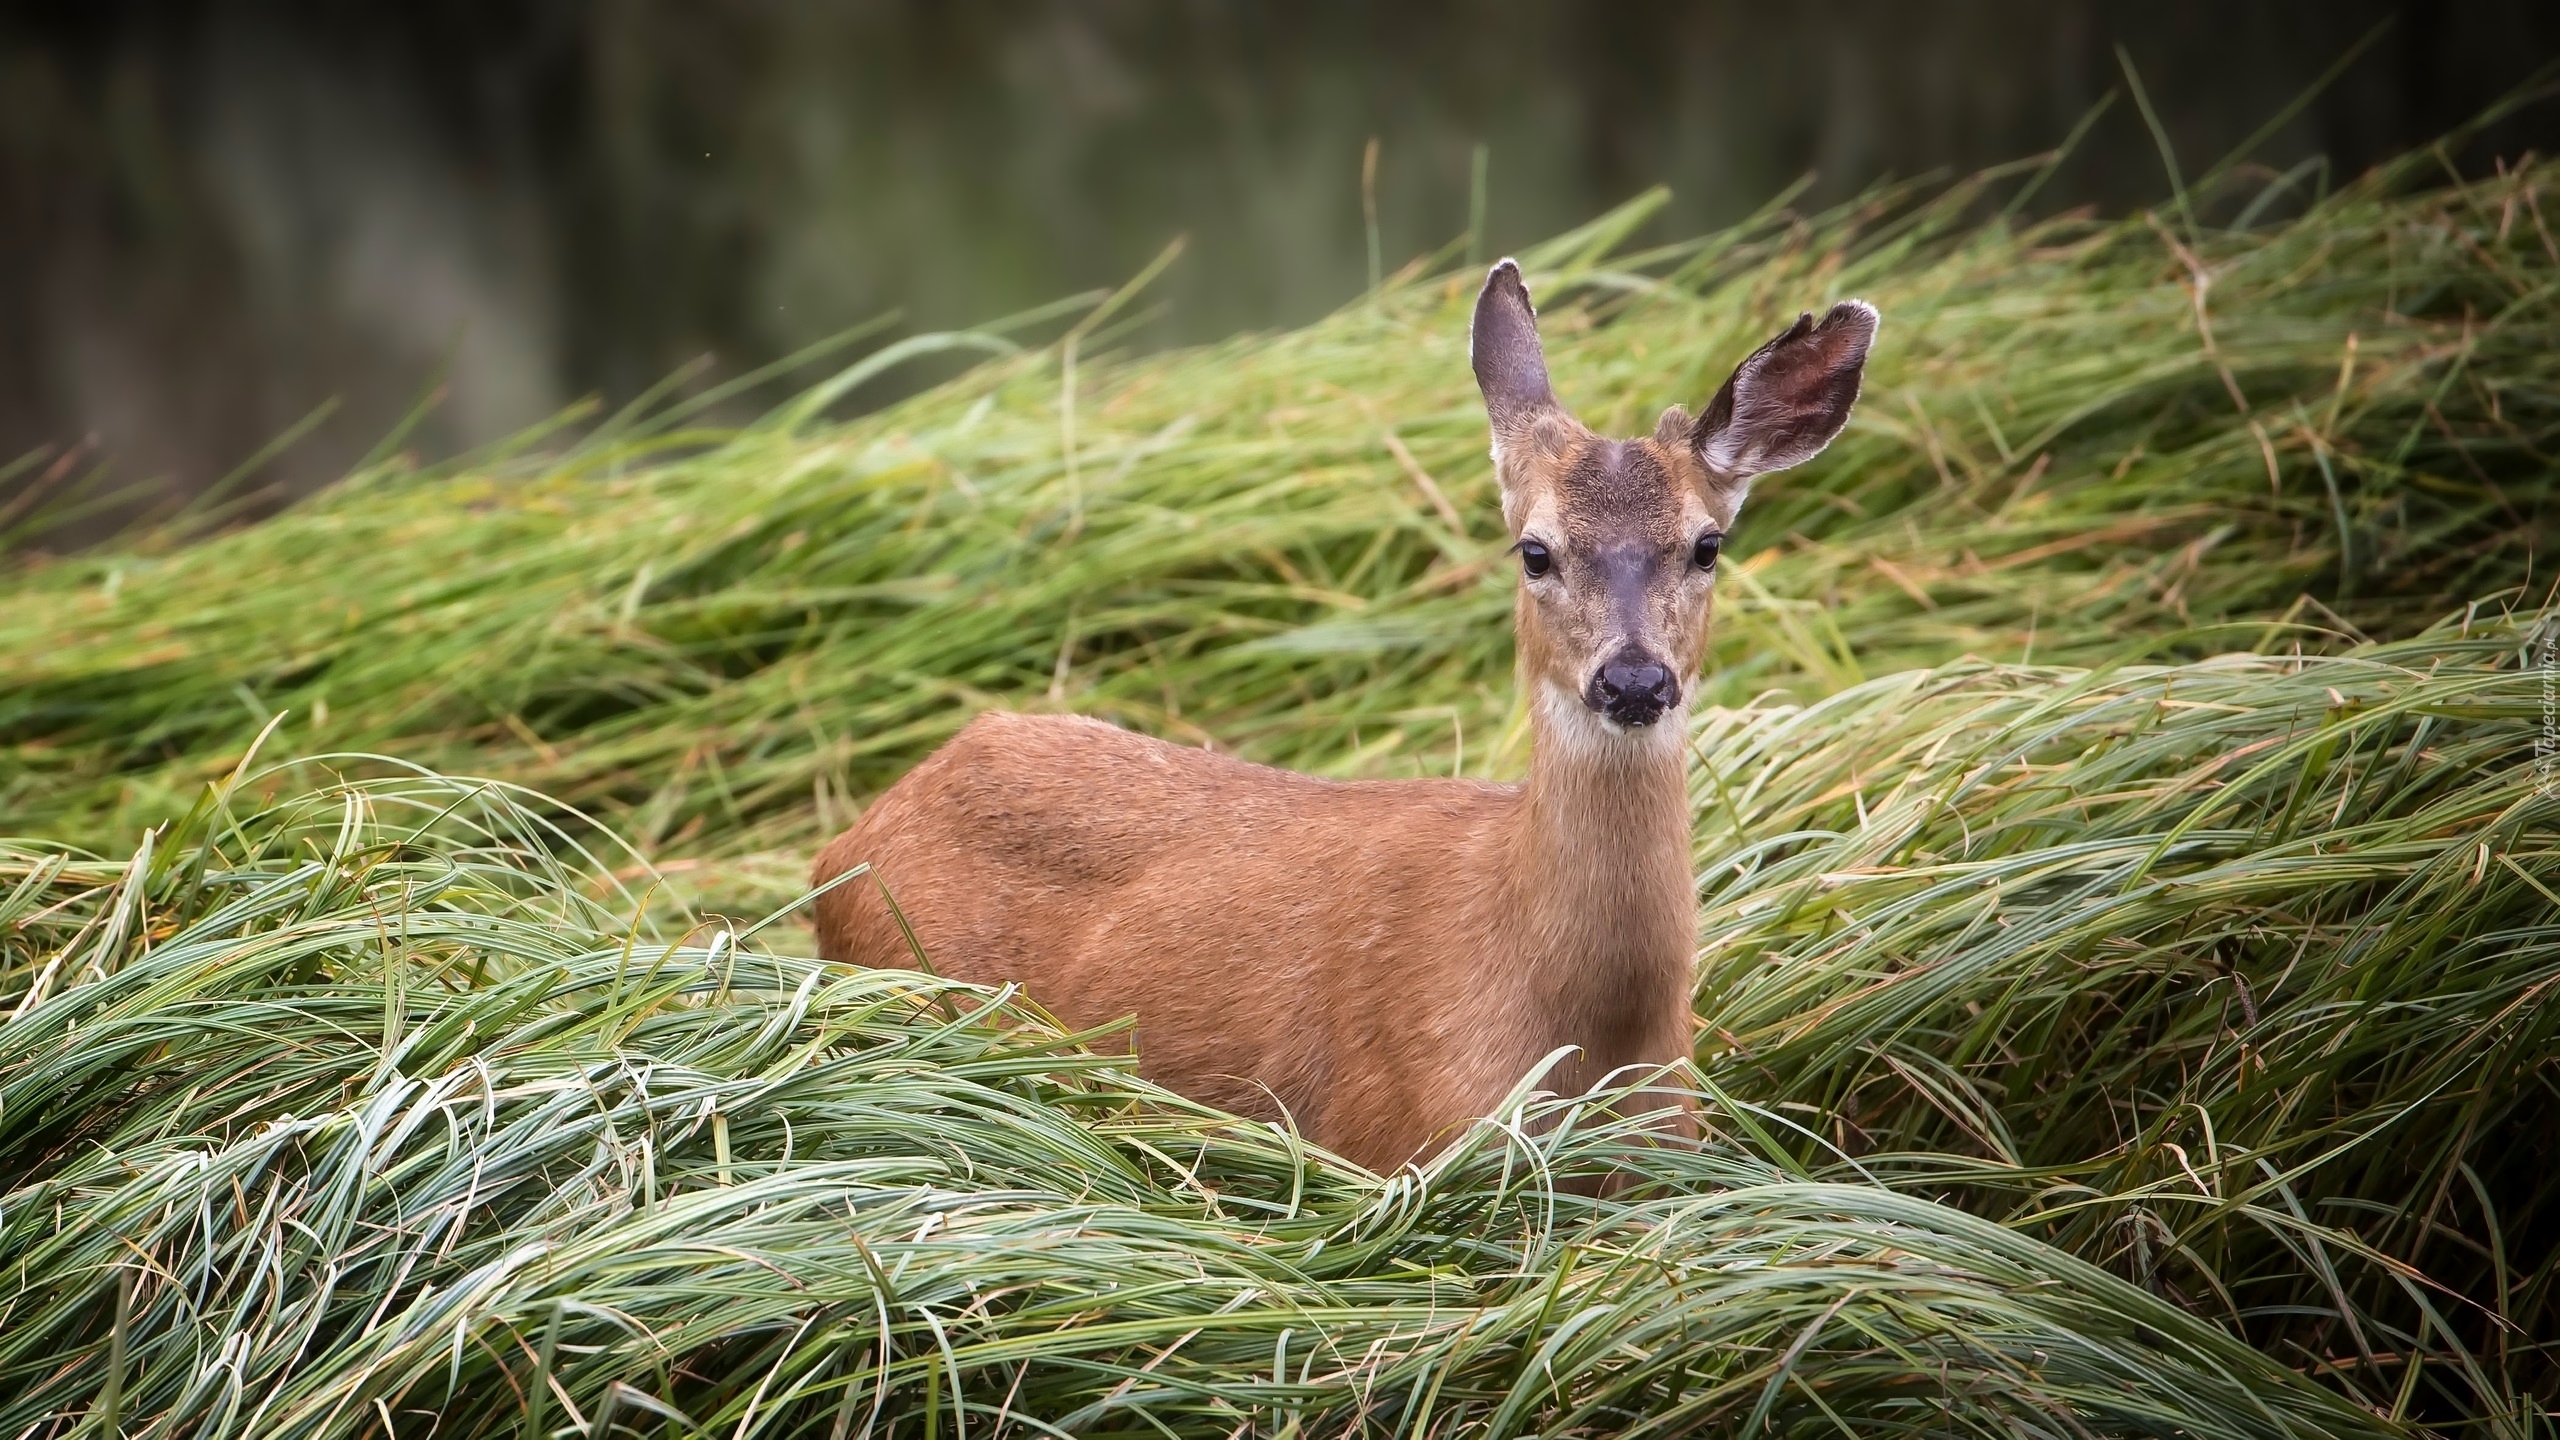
1618	540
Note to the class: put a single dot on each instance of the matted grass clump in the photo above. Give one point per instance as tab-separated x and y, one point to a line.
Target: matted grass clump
2241	976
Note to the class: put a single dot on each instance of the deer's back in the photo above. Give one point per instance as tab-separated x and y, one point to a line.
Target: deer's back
1278	936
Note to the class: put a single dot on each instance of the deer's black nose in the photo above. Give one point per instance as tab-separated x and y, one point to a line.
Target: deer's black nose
1632	688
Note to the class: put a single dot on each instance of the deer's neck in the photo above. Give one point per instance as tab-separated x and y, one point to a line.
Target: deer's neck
1601	887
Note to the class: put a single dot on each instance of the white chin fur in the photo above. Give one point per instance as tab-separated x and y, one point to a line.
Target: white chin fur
1588	734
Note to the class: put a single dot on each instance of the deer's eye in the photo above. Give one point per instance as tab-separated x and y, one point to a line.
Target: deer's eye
1534	559
1709	546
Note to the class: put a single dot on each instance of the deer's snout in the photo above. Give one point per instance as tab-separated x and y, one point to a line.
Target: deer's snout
1632	688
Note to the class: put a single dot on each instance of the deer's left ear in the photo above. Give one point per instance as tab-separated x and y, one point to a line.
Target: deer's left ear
1789	398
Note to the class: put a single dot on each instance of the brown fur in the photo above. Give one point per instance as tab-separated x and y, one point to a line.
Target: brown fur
1380	960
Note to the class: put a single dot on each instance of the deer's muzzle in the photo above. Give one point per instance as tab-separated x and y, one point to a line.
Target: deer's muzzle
1632	688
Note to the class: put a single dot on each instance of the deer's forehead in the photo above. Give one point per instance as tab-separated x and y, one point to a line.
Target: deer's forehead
1603	492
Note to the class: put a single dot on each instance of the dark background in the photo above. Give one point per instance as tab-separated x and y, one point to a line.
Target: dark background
213	217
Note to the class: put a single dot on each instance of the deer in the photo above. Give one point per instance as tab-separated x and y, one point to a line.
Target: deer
1380	963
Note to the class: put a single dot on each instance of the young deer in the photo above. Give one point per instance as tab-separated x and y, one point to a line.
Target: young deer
1384	960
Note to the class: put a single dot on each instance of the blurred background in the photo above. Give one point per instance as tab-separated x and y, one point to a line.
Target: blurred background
217	218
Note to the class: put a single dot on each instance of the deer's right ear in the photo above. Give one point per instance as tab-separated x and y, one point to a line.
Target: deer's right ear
1510	366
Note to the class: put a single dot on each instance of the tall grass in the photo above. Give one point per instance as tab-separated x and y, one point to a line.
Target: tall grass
2077	434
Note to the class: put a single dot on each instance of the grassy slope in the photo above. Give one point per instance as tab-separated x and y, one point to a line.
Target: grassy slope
2230	979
